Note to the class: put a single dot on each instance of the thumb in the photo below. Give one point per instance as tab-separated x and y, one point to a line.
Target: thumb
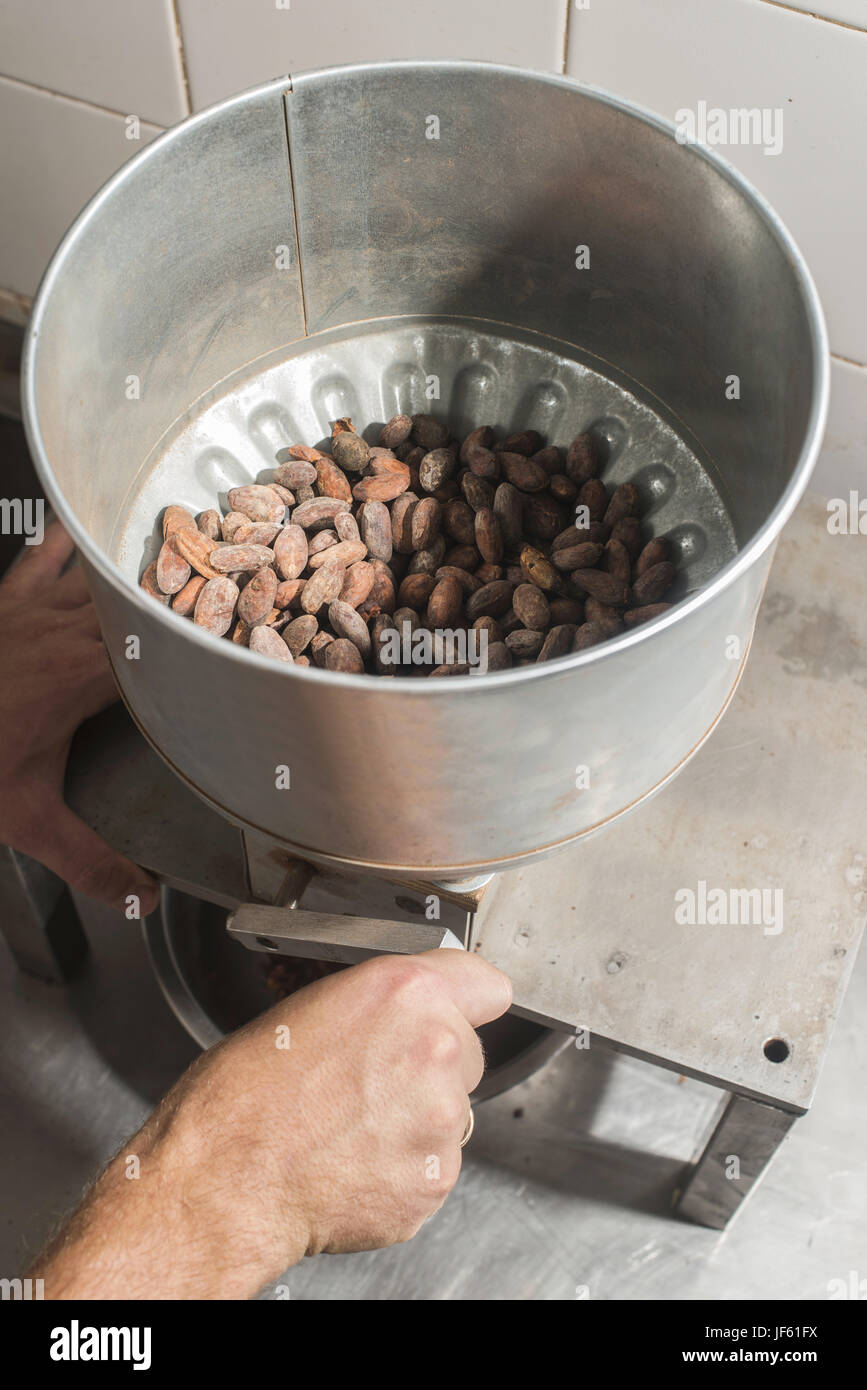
89	865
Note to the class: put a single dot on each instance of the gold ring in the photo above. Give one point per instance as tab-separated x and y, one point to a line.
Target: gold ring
468	1128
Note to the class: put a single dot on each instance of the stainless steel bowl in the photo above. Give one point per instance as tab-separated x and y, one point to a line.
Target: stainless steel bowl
304	251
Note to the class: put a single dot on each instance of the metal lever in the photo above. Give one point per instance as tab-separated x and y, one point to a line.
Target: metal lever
322	936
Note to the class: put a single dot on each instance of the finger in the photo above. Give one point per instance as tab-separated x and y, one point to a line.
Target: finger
83	860
40	565
71	589
478	989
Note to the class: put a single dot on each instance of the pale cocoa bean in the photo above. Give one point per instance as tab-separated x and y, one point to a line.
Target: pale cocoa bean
445	604
375	525
347	527
382	487
293	474
228	558
426	522
256	533
287	498
257	501
347	552
175	518
289	593
149	583
319	646
257	597
231	523
215	606
300	632
318	513
331	481
195	548
172	569
323	540
347	623
210	523
401	522
381	598
358	583
267	642
436	467
343	655
184	600
324	586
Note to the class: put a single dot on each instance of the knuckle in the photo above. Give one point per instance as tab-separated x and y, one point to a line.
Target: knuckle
402	979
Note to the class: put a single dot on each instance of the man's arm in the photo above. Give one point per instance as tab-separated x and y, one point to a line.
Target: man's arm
331	1123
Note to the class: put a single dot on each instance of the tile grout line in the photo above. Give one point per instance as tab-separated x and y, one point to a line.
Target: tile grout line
182	56
811	14
565	57
78	101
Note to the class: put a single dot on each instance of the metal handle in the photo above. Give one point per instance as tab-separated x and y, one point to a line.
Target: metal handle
322	936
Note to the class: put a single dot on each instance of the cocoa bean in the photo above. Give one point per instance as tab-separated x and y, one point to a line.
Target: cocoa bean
215	606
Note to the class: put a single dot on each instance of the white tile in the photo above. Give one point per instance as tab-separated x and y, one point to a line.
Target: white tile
842	463
54	155
233	44
122	54
672	54
852	12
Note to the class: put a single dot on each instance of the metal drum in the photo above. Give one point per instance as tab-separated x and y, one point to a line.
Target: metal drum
305	251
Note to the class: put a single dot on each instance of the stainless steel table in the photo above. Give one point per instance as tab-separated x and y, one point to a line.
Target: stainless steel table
591	938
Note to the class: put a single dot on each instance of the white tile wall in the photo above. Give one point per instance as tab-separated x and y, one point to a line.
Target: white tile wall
121	54
671	54
54	154
230	45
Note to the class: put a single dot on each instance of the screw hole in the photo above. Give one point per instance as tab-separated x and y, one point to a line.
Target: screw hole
267	943
776	1050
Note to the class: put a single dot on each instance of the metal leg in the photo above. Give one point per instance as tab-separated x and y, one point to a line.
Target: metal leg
38	919
743	1142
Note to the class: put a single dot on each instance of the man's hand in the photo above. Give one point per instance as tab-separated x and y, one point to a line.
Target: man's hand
55	674
331	1123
